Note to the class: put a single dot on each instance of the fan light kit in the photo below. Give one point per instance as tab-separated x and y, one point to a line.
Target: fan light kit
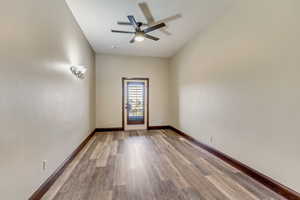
139	37
78	71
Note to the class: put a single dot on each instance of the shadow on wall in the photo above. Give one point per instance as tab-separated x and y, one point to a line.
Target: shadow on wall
238	83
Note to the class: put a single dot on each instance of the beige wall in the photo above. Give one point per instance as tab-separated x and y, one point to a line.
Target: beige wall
238	82
109	71
45	112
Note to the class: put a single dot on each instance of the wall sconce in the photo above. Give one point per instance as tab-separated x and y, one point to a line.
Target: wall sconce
78	71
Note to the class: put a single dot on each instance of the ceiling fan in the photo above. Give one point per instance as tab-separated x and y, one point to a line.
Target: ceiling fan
151	20
139	34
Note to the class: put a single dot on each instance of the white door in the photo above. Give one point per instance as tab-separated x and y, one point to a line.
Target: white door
135	104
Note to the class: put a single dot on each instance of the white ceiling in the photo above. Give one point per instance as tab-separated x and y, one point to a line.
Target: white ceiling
98	17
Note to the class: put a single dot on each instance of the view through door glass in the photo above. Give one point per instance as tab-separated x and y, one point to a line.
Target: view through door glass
136	103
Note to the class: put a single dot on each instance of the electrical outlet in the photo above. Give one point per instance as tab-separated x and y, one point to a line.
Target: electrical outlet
44	165
211	139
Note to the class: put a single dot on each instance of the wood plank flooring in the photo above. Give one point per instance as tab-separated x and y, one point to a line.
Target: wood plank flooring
152	165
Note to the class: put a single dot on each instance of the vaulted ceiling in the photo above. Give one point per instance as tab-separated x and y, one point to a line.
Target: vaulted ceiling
188	17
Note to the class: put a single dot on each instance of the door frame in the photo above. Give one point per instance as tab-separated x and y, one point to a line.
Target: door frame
123	96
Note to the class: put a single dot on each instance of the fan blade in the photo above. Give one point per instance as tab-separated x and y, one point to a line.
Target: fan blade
133	21
153	28
147	13
132	40
164	30
124	23
151	37
129	24
168	19
116	31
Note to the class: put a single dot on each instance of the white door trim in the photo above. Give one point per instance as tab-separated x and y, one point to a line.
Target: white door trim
126	126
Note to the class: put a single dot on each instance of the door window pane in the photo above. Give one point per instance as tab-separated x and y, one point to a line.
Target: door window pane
135	102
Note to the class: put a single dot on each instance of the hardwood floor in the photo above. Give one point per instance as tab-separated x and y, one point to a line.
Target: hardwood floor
155	164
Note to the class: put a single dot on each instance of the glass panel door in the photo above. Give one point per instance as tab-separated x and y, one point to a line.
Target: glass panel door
135	102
